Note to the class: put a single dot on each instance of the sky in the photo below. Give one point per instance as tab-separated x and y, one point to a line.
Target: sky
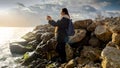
30	13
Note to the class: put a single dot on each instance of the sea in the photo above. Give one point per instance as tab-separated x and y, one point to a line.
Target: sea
8	35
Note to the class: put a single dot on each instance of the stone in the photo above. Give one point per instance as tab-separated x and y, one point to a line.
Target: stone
33	43
103	33
94	42
16	48
29	36
91	53
69	52
38	37
116	38
110	57
79	35
70	64
46	36
113	45
114	24
82	23
91	27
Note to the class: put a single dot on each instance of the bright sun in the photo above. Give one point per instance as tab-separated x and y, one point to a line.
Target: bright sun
5	34
4	12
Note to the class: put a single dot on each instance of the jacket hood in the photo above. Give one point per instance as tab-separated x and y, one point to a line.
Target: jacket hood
66	16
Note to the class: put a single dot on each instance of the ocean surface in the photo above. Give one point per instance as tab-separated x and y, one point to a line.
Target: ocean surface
7	35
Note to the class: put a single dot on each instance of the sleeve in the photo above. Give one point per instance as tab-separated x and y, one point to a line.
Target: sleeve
53	23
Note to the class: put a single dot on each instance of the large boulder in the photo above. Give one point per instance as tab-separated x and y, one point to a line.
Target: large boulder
111	57
103	33
91	53
116	38
46	36
95	42
44	28
114	24
91	27
79	35
29	36
82	23
17	48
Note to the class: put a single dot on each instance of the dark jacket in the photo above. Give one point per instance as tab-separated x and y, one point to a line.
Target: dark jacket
62	27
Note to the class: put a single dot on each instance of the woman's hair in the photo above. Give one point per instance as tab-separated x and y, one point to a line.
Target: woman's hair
65	11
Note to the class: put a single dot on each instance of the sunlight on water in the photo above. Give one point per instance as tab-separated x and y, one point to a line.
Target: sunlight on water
7	35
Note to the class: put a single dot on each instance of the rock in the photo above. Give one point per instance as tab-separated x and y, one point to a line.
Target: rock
91	53
82	23
33	43
16	48
44	28
113	45
116	38
114	24
103	33
79	35
29	36
111	57
69	52
38	37
94	42
46	36
91	65
47	50
70	64
91	27
39	63
31	58
81	61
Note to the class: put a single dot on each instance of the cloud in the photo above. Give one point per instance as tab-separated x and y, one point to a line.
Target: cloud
35	14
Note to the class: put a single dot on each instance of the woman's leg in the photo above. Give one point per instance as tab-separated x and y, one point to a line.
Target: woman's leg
61	50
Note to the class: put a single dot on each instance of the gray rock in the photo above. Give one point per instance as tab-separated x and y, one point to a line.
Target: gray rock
16	48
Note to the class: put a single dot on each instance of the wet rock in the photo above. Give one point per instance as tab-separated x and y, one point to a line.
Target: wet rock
16	48
111	57
33	43
82	23
38	37
46	36
44	28
103	33
79	35
29	36
47	50
39	63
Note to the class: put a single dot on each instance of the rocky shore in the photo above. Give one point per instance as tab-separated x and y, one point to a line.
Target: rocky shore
96	44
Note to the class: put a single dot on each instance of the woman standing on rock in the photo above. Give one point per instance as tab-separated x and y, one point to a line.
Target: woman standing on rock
62	37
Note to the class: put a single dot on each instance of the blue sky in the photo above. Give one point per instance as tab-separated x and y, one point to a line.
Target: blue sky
33	12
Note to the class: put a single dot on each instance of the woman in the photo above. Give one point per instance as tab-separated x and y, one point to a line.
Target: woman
62	37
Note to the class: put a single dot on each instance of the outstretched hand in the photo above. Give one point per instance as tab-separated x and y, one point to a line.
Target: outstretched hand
49	18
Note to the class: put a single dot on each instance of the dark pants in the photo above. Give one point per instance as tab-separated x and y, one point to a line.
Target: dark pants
60	48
